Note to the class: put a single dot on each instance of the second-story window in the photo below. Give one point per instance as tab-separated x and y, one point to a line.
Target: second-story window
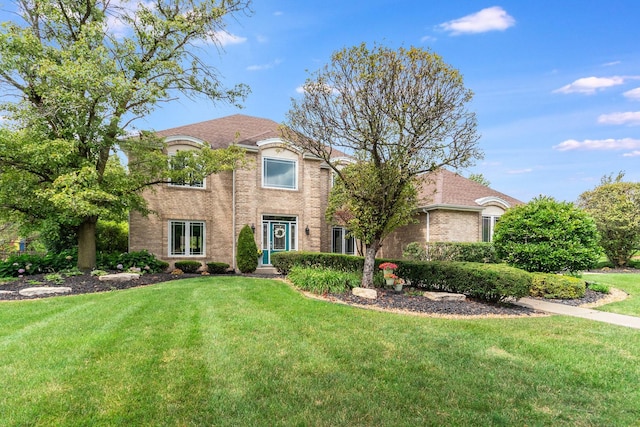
180	163
279	173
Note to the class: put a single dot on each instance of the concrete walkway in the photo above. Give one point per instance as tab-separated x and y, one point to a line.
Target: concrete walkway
585	313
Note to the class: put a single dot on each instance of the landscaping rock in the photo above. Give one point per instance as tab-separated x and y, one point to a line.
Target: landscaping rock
44	290
444	296
7	292
365	293
119	277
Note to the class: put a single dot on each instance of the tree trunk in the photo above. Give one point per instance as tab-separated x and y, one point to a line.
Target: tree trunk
370	263
87	244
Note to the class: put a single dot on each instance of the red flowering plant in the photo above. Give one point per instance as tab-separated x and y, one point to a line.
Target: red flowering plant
388	268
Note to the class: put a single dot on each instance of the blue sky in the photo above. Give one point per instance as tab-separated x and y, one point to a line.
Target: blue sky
556	83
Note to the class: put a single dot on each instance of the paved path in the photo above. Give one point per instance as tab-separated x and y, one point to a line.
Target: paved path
585	313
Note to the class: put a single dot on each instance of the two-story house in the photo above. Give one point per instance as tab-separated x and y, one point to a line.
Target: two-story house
283	196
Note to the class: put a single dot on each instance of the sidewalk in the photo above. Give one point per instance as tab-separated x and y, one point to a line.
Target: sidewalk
585	313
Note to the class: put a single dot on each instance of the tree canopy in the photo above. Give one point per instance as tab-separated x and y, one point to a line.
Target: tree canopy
615	206
76	75
397	114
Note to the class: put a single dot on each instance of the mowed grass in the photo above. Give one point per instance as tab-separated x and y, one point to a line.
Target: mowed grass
628	282
230	351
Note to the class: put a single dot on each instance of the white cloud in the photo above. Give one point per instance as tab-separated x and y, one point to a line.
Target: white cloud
633	94
589	85
610	64
225	38
599	144
519	171
489	19
628	117
635	153
278	13
261	67
426	39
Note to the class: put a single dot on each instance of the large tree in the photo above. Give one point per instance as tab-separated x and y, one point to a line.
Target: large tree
615	206
75	75
399	114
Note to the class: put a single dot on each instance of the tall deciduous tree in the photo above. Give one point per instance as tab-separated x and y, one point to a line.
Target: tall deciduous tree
76	74
615	206
398	113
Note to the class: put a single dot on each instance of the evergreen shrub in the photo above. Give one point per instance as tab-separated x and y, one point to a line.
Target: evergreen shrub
188	266
217	267
247	258
556	286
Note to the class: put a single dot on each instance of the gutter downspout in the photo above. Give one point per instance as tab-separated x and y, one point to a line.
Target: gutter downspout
233	219
428	239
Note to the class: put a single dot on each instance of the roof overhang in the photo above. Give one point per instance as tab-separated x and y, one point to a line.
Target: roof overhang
460	208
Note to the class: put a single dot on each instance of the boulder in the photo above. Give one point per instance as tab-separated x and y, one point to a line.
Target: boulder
7	292
365	293
444	296
119	277
44	290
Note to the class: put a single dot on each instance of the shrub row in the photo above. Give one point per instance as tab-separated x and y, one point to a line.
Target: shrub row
452	251
27	264
548	285
284	261
491	282
323	280
144	260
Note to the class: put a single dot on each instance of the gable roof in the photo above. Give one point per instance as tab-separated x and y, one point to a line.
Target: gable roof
237	128
444	189
224	131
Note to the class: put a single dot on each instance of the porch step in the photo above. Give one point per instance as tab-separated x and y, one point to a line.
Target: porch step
267	270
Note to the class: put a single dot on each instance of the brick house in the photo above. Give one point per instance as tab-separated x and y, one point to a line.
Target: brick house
283	197
453	209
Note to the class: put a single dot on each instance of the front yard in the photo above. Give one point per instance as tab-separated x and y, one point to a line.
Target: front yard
237	351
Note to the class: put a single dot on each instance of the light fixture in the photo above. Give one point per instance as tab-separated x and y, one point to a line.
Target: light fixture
253	228
306	230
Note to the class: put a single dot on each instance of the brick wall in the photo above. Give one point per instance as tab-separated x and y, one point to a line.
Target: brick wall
214	205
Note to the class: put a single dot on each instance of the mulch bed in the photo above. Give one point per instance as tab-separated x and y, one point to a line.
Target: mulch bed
389	300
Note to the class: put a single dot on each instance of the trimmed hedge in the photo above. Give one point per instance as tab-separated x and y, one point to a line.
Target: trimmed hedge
217	267
557	286
490	282
284	261
452	251
188	266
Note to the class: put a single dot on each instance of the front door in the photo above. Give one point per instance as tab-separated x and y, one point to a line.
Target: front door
278	235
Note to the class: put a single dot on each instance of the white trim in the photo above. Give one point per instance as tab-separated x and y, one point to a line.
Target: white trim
187	224
451	208
492	199
186	138
280	159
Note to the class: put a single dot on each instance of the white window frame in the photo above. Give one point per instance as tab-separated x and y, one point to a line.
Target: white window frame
493	219
187	246
276	159
343	242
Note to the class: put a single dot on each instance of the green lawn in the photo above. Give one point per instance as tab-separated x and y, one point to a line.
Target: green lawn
232	351
630	283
